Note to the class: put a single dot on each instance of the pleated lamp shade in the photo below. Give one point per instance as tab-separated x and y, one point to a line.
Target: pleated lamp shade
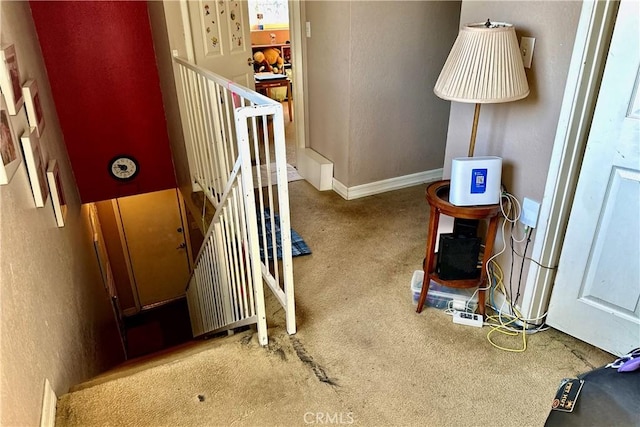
484	66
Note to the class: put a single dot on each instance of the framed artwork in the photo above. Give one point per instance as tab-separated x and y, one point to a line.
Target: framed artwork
10	79
35	167
34	108
57	192
8	146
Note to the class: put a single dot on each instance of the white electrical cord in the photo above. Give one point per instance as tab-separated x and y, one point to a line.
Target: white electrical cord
504	224
508	203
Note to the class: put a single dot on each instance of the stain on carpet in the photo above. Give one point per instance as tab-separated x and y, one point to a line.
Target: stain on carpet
276	348
246	340
306	358
579	355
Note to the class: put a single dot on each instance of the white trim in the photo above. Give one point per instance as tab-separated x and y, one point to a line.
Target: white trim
341	189
188	35
583	81
296	33
315	168
350	193
49	403
127	256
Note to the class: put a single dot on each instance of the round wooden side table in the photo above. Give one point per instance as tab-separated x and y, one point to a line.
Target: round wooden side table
438	199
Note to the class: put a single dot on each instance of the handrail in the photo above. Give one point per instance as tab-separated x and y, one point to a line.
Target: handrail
229	130
247	93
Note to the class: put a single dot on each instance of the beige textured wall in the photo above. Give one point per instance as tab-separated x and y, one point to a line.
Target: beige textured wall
521	132
371	69
169	35
329	82
56	318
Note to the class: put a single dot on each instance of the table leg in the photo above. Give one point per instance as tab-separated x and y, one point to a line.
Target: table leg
432	233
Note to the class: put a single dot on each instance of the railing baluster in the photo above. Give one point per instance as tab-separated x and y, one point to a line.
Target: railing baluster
195	104
224	121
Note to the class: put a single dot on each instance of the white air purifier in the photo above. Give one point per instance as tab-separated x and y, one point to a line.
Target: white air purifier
475	181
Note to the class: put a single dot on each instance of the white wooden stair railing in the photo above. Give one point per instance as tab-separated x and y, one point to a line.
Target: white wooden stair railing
230	132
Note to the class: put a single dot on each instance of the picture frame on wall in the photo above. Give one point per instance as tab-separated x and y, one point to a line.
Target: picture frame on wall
35	167
9	148
57	192
33	105
10	79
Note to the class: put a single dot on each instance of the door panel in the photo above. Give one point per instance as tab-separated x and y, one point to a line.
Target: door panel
221	38
618	228
596	296
155	241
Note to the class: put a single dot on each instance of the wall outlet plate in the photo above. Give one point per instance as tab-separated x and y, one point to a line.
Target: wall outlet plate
530	210
526	48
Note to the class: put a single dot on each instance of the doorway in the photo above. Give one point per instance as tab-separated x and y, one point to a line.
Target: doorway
144	248
593	40
270	28
596	294
208	34
153	240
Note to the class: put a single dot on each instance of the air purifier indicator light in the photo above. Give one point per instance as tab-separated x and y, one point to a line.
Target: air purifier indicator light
478	181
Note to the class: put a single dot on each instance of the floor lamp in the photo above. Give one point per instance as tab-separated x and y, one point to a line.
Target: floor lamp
483	67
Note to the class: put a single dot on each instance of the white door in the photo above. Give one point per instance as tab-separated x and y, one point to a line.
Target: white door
154	236
596	295
221	38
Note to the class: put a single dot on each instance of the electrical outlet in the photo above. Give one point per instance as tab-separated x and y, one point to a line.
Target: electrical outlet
526	48
530	210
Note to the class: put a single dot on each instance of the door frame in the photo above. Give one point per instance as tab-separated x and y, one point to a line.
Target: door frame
127	259
297	34
298	50
591	46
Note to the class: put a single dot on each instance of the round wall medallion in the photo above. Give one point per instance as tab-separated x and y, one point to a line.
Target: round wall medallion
123	168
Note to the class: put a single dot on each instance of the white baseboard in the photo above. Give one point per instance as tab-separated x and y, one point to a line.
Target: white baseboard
315	168
350	193
49	403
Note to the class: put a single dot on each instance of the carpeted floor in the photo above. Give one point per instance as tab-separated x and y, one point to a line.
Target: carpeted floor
361	355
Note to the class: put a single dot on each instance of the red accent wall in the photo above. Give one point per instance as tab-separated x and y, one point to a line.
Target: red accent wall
102	70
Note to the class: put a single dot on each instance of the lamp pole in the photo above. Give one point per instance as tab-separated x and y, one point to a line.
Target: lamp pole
474	130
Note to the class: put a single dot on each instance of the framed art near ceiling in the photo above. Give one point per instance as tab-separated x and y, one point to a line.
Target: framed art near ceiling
35	167
10	79
57	192
8	146
34	108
